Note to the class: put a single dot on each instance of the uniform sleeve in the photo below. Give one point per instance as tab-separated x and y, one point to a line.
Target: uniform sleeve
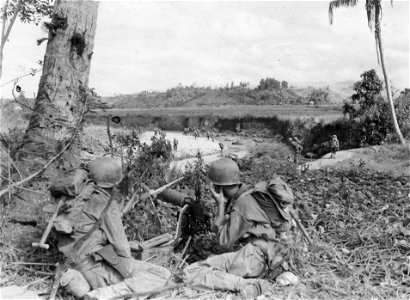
114	231
234	229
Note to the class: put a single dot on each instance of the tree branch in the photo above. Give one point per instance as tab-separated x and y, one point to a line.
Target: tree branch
4	17
6	35
15	99
4	191
11	161
32	73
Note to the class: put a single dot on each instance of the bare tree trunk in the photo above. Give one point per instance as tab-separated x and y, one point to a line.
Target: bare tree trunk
386	80
62	88
6	32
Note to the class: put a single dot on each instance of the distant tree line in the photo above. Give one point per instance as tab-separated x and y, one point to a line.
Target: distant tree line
269	92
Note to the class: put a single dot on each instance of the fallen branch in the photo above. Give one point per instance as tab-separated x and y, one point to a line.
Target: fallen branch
150	293
4	191
23	188
38	272
32	263
181	260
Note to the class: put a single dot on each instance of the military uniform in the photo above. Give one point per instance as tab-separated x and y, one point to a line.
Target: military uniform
334	146
98	258
297	148
221	146
261	255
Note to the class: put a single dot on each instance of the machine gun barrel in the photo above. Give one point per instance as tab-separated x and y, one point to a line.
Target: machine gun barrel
150	193
174	197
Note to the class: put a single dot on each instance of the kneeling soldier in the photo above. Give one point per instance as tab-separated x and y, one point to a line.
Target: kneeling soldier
92	238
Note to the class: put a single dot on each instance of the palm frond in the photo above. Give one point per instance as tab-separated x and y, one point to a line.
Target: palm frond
339	3
374	11
370	10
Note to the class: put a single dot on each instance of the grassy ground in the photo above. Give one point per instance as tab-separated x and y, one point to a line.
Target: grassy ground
326	112
358	213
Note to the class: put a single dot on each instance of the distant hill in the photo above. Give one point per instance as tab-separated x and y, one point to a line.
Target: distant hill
191	96
334	95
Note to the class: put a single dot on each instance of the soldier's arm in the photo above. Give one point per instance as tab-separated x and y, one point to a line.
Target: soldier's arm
232	229
114	230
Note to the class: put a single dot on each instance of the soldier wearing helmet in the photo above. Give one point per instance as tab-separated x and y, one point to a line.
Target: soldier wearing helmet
239	219
334	145
91	236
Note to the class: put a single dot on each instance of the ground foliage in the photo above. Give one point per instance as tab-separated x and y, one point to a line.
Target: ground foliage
359	218
360	221
145	167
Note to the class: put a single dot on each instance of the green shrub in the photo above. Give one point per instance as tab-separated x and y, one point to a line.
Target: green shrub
371	117
12	140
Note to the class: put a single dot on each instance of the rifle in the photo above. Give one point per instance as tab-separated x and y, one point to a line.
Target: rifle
301	227
149	193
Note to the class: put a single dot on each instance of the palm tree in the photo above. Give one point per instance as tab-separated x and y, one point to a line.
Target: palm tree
374	14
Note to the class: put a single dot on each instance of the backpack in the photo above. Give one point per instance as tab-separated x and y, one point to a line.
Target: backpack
69	183
72	187
269	196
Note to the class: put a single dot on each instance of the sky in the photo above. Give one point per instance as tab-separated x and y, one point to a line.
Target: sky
158	45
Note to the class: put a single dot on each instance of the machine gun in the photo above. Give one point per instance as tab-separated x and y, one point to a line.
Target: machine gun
149	193
193	217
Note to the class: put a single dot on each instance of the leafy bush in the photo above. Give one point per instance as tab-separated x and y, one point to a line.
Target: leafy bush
402	105
145	166
268	160
371	117
12	140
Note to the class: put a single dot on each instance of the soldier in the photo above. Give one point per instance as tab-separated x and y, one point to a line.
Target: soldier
208	134
175	144
196	133
91	237
334	146
221	145
240	218
297	148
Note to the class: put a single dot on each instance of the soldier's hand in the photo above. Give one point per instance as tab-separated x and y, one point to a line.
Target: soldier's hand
218	196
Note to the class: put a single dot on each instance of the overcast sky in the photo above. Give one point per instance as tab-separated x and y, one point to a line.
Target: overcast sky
157	45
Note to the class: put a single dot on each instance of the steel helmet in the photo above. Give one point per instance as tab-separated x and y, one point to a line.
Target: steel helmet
223	172
106	172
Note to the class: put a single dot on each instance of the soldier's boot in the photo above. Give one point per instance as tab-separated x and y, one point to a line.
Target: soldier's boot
254	288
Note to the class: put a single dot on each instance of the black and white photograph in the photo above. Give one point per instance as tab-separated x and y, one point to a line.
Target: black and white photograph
205	149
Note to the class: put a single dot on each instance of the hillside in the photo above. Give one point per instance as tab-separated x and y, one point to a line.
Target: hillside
191	96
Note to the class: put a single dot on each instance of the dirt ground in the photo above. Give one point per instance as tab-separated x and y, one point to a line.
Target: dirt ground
188	145
377	158
388	158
